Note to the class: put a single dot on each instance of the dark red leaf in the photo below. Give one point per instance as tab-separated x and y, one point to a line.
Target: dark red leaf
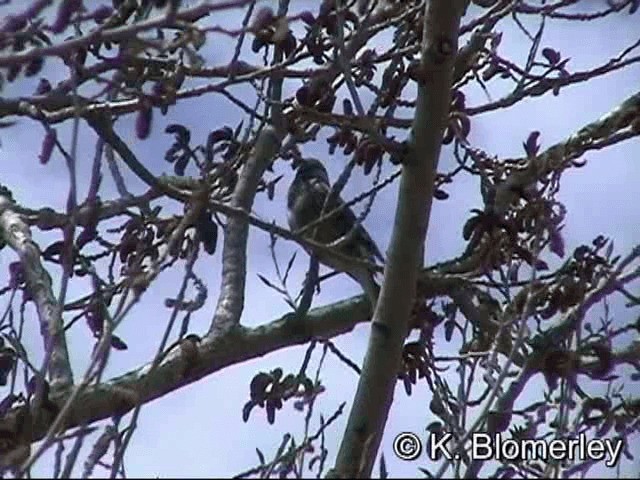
531	146
552	56
66	9
307	17
440	194
47	146
117	343
246	410
449	326
143	122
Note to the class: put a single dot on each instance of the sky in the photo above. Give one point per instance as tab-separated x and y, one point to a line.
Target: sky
198	431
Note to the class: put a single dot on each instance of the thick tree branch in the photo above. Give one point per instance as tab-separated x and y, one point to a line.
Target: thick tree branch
390	323
619	124
17	234
216	352
181	366
234	252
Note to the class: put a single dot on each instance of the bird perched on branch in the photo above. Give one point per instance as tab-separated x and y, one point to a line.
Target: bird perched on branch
305	202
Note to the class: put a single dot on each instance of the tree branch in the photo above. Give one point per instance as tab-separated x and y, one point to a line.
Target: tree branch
234	252
621	122
182	367
16	233
374	395
119	33
216	352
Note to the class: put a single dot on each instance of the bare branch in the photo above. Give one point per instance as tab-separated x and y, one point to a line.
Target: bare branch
119	33
389	326
234	253
619	124
179	368
17	234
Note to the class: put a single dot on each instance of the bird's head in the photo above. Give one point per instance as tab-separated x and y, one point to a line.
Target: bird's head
310	168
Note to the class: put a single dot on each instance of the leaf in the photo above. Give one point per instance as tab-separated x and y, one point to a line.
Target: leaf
556	242
207	232
144	120
425	472
258	386
222	134
552	56
288	269
531	146
271	412
263	18
56	248
7	362
246	410
63	17
541	265
449	325
440	194
609	250
260	456
407	385
512	274
436	407
383	467
48	143
181	165
238	129
469	227
307	384
271	285
182	134
289	382
117	343
449	309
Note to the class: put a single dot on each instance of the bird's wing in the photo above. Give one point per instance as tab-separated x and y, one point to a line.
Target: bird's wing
339	224
346	219
361	236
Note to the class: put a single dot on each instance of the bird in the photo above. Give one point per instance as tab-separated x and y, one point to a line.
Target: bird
306	197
